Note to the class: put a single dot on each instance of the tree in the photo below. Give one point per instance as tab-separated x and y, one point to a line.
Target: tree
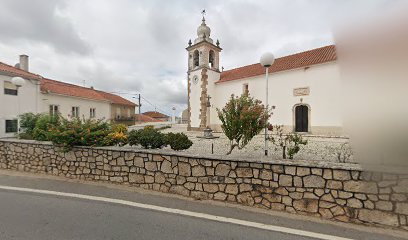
290	142
242	119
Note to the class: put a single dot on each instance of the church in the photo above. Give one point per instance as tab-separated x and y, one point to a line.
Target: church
303	87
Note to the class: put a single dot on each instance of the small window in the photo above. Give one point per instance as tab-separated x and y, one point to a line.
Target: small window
75	112
92	112
54	110
10	89
128	112
245	89
11	126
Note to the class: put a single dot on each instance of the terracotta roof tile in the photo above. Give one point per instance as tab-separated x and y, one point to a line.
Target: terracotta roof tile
5	68
154	114
298	60
145	118
57	87
116	99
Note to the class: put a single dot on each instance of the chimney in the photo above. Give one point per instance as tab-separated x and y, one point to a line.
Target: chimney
23	62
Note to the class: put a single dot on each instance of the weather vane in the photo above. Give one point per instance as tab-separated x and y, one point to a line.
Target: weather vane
203	13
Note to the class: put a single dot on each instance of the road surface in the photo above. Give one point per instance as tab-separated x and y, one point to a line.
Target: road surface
33	207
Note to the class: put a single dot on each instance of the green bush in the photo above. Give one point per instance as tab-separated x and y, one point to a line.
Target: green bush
147	138
43	124
178	141
75	132
27	123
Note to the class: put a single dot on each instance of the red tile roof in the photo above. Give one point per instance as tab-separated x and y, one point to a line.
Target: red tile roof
66	89
145	118
154	114
298	60
57	87
115	99
10	70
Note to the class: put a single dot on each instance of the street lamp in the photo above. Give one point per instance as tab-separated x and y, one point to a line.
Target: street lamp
267	59
18	82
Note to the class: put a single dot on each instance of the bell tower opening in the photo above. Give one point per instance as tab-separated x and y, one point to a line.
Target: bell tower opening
196	58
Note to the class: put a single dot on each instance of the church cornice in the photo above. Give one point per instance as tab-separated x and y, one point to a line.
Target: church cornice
203	67
204	42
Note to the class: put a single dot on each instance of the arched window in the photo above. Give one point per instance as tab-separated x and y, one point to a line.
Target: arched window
211	59
301	118
196	58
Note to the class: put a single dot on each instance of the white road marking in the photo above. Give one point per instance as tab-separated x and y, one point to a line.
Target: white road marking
183	212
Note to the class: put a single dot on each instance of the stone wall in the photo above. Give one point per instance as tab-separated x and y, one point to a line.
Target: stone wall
334	191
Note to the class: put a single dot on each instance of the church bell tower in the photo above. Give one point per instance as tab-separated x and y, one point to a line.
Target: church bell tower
203	72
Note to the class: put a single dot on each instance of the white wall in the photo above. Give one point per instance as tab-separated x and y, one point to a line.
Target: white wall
324	99
11	106
65	105
195	95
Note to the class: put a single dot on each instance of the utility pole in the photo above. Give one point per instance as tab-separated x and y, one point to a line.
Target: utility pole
140	105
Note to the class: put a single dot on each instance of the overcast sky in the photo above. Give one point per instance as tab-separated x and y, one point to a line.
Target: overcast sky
133	46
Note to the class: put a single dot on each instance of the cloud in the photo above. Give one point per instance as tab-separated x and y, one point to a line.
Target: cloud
40	21
139	46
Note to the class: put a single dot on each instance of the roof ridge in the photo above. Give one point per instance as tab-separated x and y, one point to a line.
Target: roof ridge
290	55
19	69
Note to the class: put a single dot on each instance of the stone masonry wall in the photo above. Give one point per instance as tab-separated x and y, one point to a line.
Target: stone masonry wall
336	191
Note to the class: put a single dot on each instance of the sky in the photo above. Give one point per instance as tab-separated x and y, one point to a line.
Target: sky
129	47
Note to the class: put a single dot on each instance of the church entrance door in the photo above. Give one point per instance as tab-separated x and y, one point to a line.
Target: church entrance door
301	118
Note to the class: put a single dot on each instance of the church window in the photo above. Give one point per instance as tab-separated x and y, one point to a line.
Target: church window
245	89
196	58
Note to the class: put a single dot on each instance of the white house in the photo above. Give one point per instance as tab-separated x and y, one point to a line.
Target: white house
304	87
42	95
16	100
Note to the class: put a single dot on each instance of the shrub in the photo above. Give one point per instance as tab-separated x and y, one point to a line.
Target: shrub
27	123
118	136
290	143
242	119
42	126
70	133
147	138
178	141
148	127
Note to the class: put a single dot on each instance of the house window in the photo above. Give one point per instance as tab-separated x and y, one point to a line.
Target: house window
245	89
11	126
54	110
92	112
10	89
75	112
128	112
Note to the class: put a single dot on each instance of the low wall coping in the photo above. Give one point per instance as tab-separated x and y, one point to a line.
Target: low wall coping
263	160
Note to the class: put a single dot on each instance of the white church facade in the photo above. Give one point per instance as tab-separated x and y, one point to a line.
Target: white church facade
303	87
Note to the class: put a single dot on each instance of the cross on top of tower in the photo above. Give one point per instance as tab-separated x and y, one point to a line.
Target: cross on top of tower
203	13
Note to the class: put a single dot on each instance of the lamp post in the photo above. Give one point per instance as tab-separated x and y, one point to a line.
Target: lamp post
267	59
18	82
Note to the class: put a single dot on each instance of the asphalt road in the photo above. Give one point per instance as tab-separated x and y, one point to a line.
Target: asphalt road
34	215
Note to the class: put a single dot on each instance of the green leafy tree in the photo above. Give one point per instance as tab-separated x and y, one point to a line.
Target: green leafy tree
242	119
290	142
